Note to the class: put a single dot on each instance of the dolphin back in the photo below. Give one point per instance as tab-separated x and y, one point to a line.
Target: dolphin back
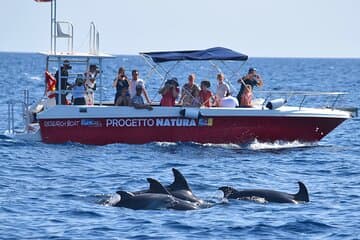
302	194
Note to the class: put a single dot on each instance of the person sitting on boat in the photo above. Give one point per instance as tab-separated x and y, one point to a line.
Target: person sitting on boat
90	83
252	79
196	98
229	102
121	83
78	91
246	96
169	93
134	82
188	92
137	101
64	84
222	89
124	98
205	94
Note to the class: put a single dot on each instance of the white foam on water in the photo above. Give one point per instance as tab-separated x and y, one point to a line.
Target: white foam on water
256	145
223	145
32	135
35	78
166	144
113	200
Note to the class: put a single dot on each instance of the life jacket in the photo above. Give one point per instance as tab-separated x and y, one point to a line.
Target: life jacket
50	84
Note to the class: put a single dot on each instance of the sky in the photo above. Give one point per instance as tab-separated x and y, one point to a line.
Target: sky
258	28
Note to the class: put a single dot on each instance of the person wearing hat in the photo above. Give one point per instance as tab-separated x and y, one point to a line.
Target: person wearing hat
137	101
250	80
169	93
64	84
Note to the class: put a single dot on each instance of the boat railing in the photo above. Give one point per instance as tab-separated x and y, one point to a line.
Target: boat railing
94	39
304	95
25	104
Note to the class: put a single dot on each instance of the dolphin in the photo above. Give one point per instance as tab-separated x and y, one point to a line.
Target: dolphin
157	197
268	195
179	188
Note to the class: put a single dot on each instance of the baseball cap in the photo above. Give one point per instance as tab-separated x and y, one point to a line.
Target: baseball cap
251	70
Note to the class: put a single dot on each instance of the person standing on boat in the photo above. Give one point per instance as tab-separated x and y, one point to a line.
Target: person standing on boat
64	84
137	81
222	89
78	91
251	80
90	83
121	83
169	93
189	92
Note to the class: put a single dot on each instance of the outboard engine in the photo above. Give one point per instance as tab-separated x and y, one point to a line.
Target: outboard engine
276	103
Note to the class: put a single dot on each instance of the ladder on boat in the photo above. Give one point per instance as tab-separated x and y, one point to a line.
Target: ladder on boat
25	104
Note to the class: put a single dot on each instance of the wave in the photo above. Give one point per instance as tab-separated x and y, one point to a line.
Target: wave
35	78
256	145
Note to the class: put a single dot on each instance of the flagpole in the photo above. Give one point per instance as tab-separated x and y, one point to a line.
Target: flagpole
53	27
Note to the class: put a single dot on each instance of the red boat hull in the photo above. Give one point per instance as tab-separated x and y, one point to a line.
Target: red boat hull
244	129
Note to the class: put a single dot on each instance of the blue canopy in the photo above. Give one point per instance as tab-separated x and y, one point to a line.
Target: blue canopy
216	53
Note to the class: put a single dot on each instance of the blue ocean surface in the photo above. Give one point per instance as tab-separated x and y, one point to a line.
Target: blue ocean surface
58	191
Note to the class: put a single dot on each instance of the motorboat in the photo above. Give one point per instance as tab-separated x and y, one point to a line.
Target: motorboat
103	123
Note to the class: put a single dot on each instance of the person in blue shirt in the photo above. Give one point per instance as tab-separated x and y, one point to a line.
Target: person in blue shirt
137	101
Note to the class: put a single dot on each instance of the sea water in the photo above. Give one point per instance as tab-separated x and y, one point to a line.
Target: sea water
58	191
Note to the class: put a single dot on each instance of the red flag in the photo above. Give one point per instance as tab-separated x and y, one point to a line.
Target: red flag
43	0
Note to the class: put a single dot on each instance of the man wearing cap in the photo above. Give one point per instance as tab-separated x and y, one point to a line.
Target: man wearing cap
63	82
250	80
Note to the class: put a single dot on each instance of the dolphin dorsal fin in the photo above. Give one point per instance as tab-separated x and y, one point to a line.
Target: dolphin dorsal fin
180	182
302	194
125	195
156	187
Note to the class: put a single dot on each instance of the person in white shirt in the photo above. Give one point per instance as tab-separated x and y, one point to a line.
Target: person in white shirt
137	81
90	84
222	89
